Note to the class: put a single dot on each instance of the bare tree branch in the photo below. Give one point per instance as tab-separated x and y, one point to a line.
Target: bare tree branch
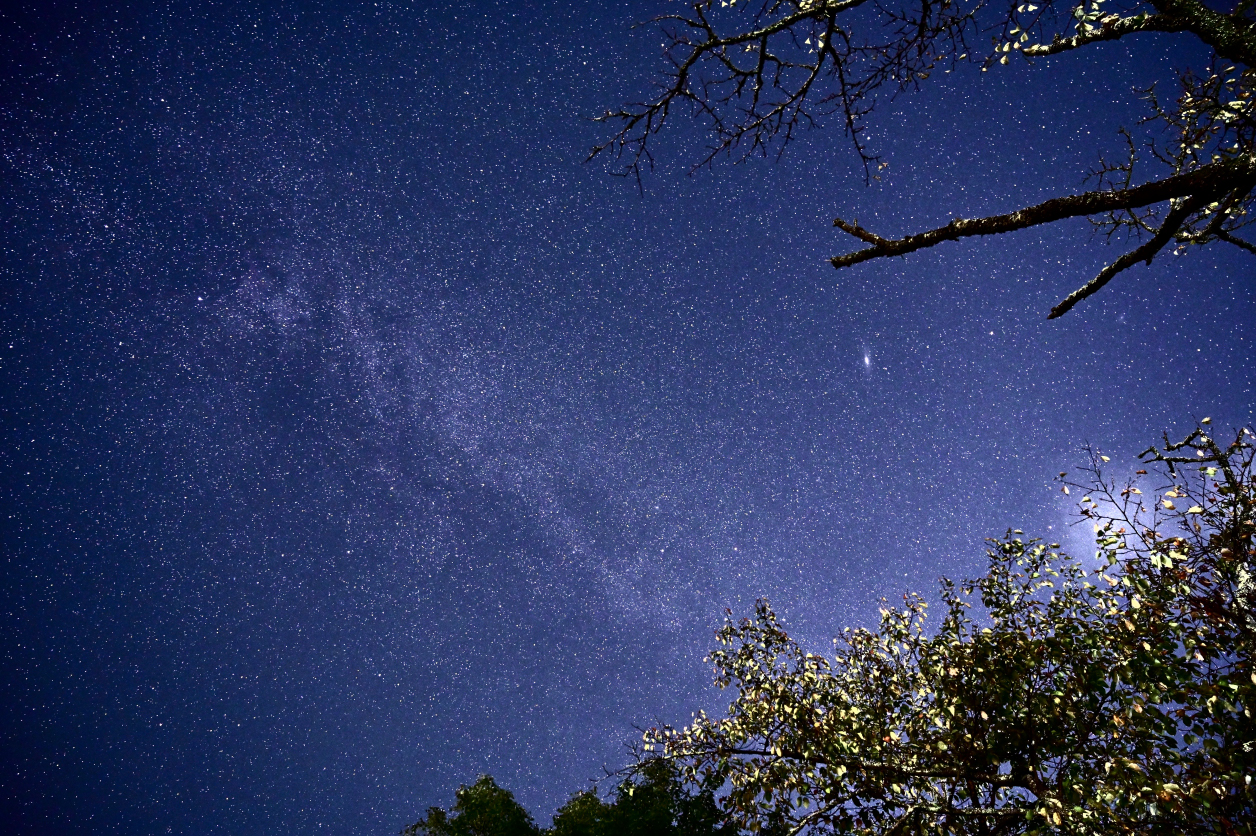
1238	242
1229	35
1199	186
759	71
1172	223
1109	31
795	43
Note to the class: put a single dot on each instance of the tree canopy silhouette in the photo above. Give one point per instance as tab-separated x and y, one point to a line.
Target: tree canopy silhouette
759	72
650	801
481	809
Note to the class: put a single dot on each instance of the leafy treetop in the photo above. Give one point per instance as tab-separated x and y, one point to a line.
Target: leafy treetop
482	809
1056	696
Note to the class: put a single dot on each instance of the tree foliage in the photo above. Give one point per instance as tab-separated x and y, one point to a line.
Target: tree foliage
651	801
482	809
1056	696
759	72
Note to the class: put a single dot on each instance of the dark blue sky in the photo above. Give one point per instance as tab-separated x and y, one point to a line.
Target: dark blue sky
359	439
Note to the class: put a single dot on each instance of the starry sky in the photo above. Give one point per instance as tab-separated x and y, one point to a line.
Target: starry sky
358	438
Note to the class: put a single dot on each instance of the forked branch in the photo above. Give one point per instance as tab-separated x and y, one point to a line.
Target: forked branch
1172	223
1196	189
760	84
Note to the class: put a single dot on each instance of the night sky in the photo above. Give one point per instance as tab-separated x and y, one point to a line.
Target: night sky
358	438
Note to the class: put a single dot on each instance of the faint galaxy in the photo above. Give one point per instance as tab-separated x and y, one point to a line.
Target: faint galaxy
359	439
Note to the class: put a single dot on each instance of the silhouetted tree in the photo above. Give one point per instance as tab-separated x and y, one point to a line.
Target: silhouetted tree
655	801
650	802
482	809
758	72
585	814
